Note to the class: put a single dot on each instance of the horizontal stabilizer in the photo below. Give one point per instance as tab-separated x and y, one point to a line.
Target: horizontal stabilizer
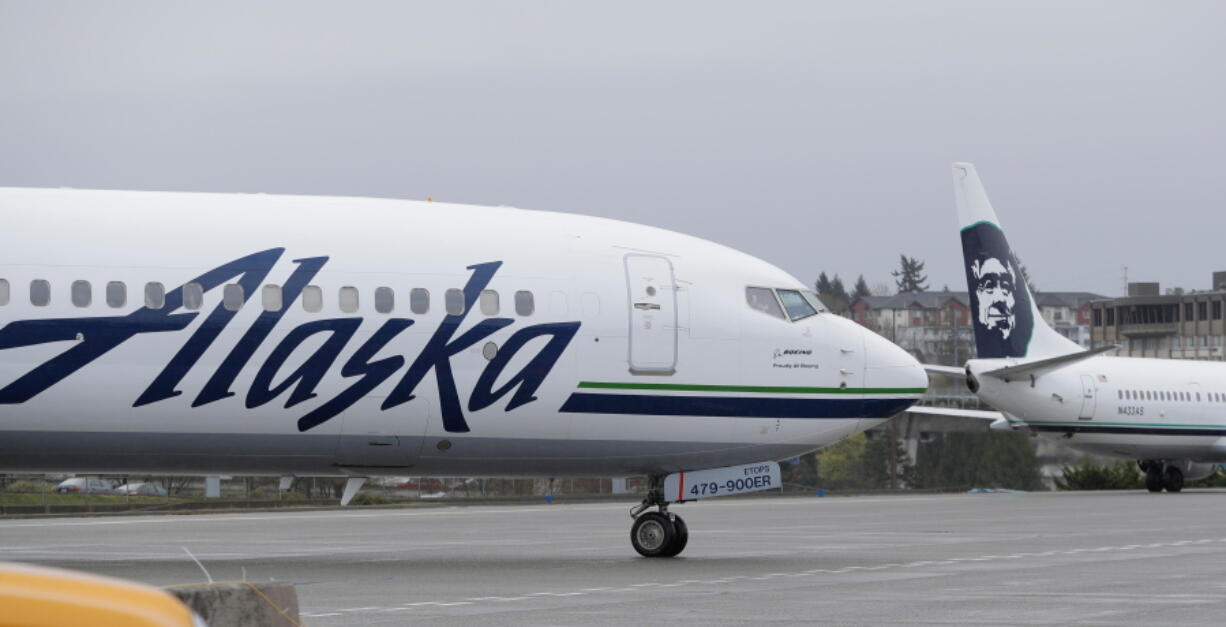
1044	364
981	414
949	370
999	422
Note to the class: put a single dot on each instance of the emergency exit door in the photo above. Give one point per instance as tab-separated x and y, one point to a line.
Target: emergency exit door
1087	397
653	315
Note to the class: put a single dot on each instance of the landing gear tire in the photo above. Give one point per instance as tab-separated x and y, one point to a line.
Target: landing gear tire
654	535
681	537
1154	480
659	533
1172	479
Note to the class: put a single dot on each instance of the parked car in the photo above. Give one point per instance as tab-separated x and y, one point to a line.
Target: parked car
85	485
141	488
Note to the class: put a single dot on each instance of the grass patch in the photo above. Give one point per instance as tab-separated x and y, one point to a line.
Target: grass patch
51	498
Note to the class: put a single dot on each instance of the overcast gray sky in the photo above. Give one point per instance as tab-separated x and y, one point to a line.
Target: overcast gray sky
816	135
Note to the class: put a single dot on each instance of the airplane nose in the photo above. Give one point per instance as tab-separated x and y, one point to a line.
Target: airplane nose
893	377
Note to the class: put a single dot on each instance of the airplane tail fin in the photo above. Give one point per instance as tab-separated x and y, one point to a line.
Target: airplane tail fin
1004	314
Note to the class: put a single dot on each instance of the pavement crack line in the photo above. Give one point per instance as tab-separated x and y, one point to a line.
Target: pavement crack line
647	587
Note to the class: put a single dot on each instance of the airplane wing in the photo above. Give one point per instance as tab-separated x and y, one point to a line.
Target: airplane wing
1050	362
999	422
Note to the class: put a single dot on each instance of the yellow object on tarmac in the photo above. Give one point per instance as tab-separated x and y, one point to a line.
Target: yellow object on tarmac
36	596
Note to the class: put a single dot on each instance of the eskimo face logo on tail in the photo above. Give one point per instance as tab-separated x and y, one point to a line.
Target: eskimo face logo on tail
994	290
96	336
1000	302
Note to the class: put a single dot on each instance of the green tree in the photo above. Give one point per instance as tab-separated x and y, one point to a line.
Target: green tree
823	284
861	289
1120	475
885	459
840	466
860	463
977	460
910	277
832	293
802	473
1215	480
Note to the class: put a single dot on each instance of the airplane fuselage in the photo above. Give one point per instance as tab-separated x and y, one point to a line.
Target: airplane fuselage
1118	406
209	333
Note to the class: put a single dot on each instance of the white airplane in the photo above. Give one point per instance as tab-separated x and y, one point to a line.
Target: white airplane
304	336
1170	415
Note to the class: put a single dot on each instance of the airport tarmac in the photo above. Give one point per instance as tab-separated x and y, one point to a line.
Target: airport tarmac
1027	559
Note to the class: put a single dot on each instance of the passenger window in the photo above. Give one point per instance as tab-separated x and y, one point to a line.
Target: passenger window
349	299
232	297
489	303
193	296
419	300
453	302
590	304
116	294
270	297
763	300
4	292
155	295
40	293
559	304
82	293
385	299
524	305
312	299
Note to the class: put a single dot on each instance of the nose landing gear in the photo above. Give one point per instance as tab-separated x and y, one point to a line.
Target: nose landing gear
659	533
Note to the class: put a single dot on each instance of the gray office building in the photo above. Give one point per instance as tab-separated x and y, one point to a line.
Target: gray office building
1176	325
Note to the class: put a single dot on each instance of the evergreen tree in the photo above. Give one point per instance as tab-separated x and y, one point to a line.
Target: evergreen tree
910	277
861	289
977	460
823	284
885	459
838	291
832	293
841	465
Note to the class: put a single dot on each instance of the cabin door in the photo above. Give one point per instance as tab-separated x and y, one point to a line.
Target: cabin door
1087	397
376	438
653	315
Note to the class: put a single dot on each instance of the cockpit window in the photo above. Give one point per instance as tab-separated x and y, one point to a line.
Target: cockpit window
796	305
815	301
763	300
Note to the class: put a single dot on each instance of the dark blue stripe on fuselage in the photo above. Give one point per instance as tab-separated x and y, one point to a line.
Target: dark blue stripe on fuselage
1126	430
734	407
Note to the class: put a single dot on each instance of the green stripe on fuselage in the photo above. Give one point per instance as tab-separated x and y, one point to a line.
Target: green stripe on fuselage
1101	423
760	389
